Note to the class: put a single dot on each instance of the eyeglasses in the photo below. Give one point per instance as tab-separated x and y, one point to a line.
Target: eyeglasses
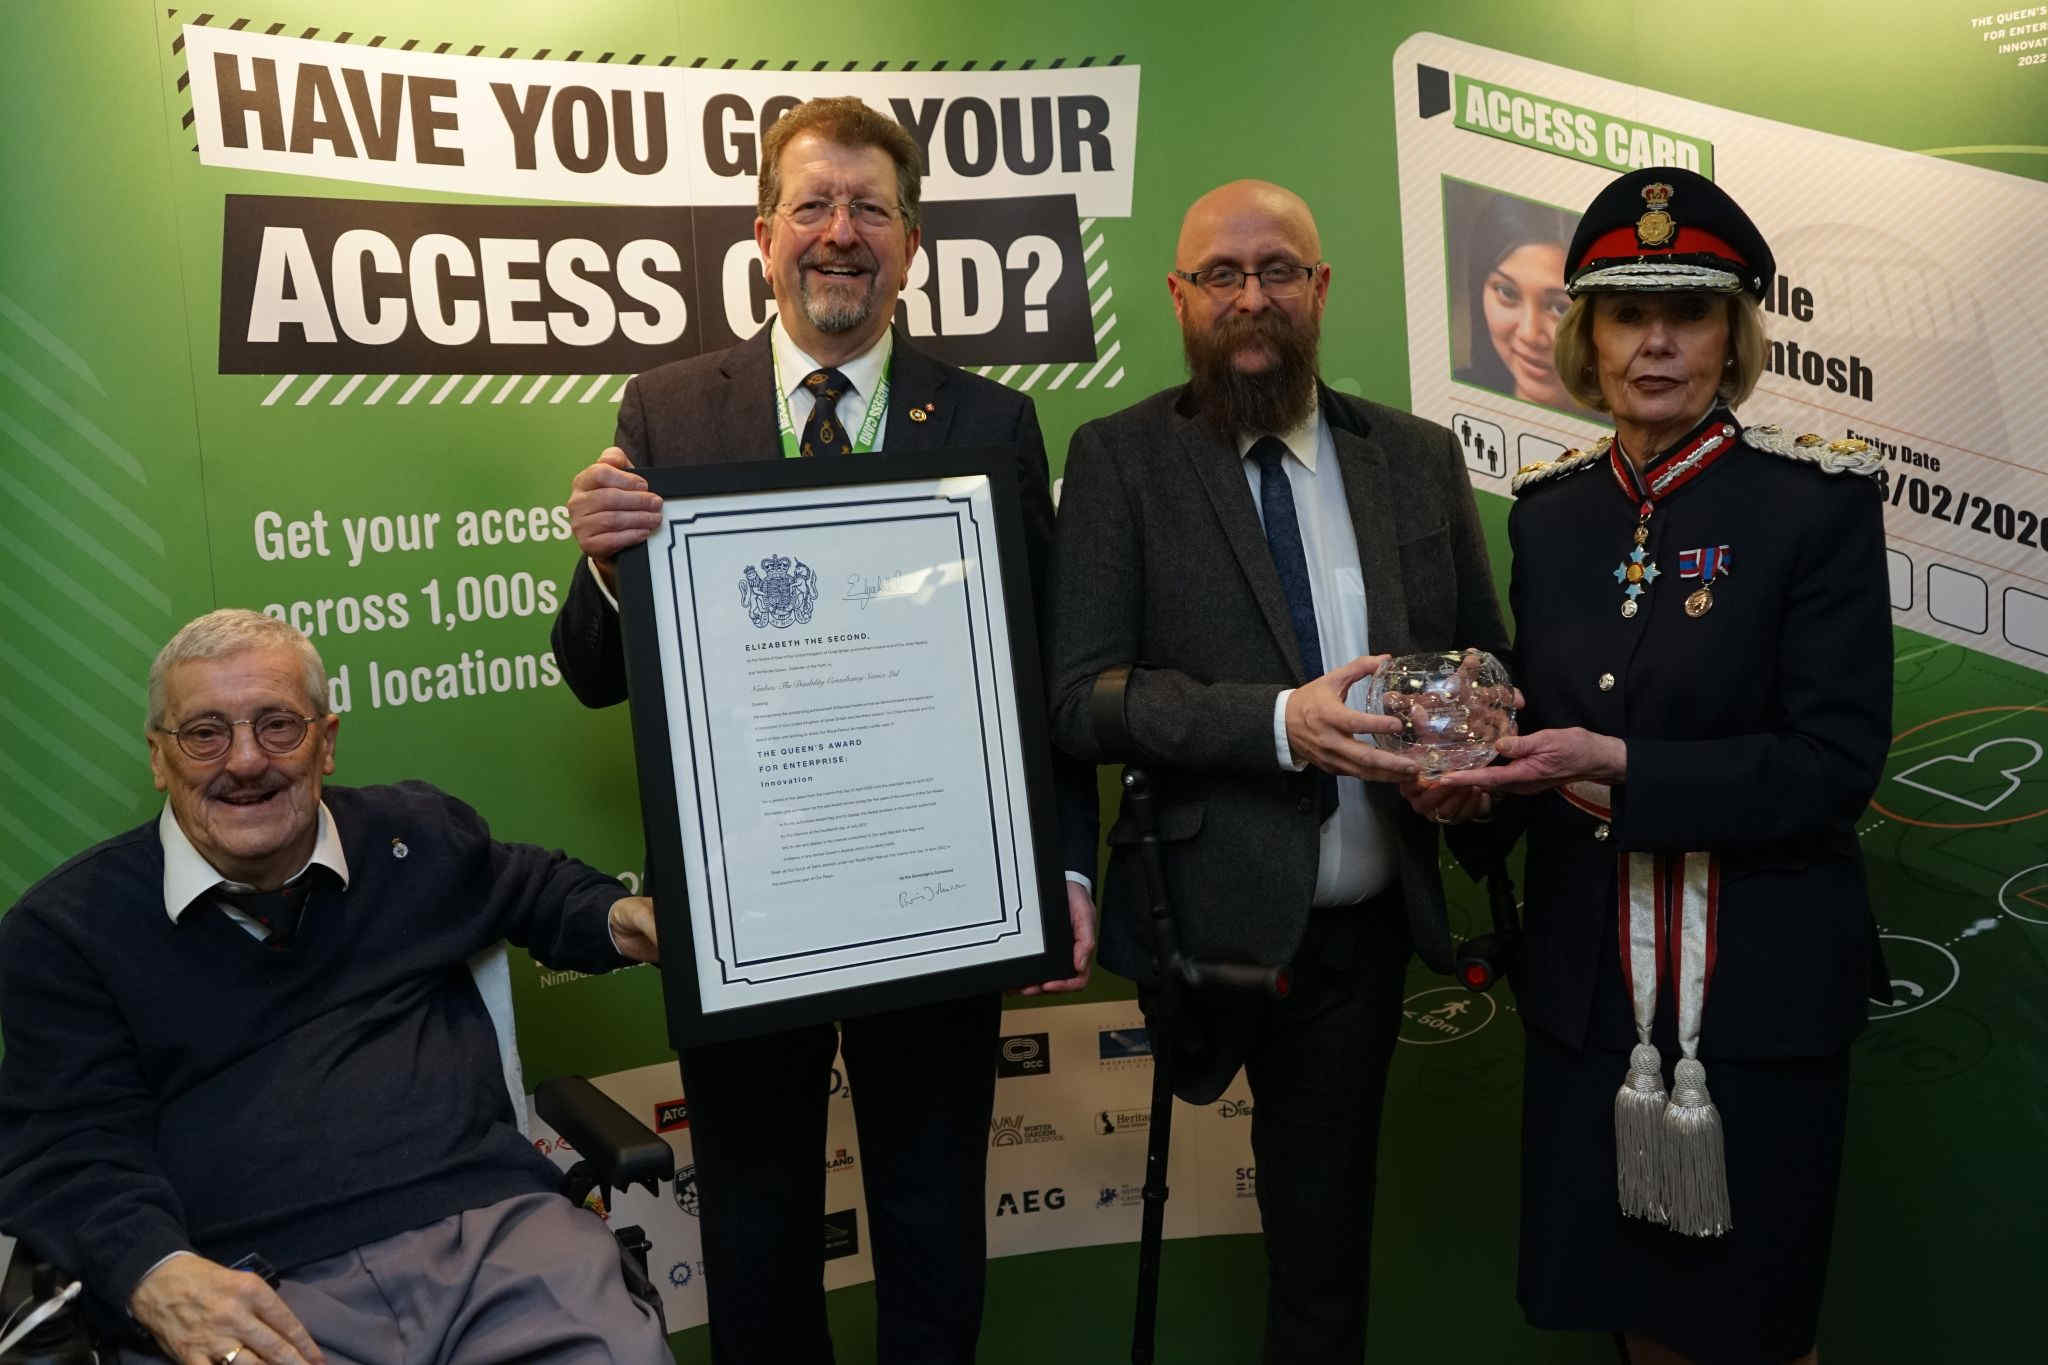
1278	281
816	213
210	737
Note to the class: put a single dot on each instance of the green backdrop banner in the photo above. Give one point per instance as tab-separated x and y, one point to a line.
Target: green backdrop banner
316	308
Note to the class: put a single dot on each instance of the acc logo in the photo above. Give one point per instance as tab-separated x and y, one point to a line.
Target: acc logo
1024	1054
686	1189
1122	1049
1031	1201
1235	1109
1109	1122
842	1234
670	1115
1247	1177
840	1160
1444	1014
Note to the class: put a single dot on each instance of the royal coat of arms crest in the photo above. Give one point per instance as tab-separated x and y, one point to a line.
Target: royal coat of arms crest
781	594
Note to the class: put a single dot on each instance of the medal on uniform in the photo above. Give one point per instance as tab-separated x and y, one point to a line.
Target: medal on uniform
1704	564
1638	572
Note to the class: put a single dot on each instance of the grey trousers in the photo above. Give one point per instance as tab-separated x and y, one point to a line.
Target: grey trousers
532	1278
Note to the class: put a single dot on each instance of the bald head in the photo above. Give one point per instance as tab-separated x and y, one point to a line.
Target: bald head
1247	223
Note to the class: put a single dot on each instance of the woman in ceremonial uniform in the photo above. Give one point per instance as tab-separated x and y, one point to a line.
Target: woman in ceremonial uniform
1705	647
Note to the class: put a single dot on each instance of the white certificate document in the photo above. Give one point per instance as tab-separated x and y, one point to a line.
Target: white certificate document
842	724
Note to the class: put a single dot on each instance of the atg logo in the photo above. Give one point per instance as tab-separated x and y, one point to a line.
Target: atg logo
670	1115
1031	1201
1024	1054
840	1160
686	1190
1247	1178
1235	1109
1123	1049
1109	1122
1010	1130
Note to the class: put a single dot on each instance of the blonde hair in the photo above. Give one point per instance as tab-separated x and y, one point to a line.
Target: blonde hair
1572	351
230	631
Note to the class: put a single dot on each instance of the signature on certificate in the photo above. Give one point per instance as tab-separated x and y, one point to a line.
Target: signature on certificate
865	588
930	891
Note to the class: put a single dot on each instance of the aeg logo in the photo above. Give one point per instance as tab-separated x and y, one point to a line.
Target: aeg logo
1031	1201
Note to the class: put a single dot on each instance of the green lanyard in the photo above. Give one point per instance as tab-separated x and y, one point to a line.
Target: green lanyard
864	439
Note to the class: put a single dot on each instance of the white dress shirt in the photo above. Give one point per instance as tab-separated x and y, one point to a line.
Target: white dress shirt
1355	860
189	878
863	374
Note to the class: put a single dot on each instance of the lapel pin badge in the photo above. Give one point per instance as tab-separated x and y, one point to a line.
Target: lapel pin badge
398	848
918	414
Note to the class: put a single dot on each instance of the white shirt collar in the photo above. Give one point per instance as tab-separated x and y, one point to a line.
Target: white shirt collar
188	876
863	372
1300	439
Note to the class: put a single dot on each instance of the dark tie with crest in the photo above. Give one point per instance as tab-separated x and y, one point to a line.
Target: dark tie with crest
1290	560
825	434
278	911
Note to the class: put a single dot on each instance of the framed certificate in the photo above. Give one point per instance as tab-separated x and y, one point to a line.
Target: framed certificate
839	720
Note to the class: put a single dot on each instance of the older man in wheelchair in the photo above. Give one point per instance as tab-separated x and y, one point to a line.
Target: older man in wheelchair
251	1097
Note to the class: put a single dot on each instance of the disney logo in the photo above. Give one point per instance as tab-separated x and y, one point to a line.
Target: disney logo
1235	1109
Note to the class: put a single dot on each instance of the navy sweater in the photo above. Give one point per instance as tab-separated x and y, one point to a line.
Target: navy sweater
182	1086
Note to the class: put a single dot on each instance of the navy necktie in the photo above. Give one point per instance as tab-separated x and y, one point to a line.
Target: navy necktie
1283	538
278	911
825	434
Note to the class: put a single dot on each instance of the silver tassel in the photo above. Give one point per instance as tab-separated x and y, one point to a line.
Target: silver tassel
1694	1164
1639	1135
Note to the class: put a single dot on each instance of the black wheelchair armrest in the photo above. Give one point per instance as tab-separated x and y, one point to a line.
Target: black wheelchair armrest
615	1150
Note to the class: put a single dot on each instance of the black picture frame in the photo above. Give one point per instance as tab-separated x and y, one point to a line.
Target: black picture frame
663	790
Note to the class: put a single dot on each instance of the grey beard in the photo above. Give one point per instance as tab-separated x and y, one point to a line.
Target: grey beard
834	318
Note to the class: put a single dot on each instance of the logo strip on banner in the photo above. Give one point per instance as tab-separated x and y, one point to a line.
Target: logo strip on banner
643	164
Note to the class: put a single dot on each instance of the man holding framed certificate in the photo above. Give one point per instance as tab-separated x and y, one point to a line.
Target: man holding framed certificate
837	228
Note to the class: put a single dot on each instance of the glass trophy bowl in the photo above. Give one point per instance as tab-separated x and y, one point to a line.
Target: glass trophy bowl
1452	706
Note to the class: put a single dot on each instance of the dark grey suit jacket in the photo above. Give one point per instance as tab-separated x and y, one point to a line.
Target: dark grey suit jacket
1161	564
719	408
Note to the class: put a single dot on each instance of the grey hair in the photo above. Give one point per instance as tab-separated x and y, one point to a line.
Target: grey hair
230	631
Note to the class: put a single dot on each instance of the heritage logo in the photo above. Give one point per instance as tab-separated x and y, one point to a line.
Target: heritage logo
842	1234
1109	1122
670	1115
1024	1054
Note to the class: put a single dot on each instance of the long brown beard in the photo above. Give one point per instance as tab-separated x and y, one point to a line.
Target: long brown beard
1276	398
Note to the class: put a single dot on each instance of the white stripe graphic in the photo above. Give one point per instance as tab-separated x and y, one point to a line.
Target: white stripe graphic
278	392
313	389
341	395
380	390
